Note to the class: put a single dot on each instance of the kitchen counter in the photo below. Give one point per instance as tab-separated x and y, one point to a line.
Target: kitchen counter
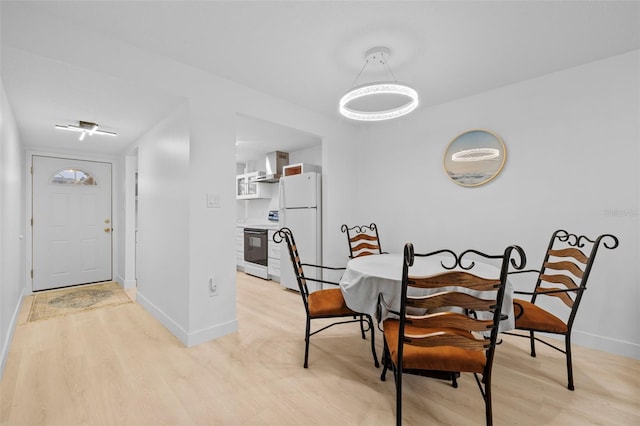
259	225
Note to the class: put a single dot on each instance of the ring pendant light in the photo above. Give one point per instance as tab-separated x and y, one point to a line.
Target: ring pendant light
398	98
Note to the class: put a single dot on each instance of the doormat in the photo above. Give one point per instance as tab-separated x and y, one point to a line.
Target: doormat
74	300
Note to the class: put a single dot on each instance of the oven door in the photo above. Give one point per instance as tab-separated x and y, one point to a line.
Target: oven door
255	246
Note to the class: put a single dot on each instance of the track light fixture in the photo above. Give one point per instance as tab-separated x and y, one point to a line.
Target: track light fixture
85	128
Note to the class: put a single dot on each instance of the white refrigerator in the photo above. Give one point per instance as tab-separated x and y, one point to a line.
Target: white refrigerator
300	210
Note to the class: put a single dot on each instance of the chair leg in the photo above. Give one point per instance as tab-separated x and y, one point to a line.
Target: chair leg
567	343
454	379
385	361
306	343
398	377
533	344
362	331
487	403
373	342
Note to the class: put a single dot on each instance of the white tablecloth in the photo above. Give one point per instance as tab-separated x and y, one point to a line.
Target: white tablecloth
368	276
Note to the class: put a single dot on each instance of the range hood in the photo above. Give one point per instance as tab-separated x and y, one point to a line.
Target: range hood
274	163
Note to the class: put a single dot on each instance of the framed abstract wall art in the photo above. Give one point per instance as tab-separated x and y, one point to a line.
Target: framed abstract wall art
474	157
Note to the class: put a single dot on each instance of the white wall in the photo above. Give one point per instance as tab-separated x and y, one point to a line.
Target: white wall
163	231
572	142
210	232
213	107
12	213
128	221
312	155
124	220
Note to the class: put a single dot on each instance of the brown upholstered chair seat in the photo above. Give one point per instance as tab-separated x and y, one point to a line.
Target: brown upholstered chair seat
444	344
433	358
530	316
322	304
563	276
328	303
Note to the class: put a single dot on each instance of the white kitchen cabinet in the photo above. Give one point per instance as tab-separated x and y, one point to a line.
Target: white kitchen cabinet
273	260
247	188
240	248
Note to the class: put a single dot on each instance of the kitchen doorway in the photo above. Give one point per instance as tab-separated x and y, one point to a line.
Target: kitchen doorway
71	222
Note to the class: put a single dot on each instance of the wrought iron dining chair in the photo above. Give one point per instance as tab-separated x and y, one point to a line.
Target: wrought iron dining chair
326	303
563	276
363	240
424	339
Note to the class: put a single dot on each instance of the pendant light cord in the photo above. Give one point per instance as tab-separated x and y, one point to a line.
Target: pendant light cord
360	73
386	65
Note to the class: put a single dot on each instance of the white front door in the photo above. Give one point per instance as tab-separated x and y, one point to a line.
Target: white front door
71	222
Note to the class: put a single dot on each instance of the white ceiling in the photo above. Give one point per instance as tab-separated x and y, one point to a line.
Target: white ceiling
307	52
255	138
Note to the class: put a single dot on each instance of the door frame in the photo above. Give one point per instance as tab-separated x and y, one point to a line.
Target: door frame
28	191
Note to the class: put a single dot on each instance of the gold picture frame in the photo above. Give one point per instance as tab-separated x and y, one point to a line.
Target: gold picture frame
474	157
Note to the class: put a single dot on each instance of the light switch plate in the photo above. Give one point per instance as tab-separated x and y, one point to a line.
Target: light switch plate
213	201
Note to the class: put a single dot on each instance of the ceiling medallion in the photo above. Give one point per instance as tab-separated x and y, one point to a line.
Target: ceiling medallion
377	101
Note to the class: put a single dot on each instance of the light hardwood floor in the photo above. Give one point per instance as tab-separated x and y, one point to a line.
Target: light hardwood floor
119	366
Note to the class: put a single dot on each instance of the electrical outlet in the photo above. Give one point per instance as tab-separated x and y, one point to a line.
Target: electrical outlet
213	288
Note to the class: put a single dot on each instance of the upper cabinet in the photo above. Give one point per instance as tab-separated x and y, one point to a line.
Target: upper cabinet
247	188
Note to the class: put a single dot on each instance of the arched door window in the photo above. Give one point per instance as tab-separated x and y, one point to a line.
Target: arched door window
72	176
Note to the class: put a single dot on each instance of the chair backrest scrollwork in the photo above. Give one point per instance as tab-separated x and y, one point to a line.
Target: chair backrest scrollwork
567	265
363	240
285	234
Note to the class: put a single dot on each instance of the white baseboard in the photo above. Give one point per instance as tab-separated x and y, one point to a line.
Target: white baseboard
600	343
129	284
164	319
213	332
12	327
187	339
126	284
606	344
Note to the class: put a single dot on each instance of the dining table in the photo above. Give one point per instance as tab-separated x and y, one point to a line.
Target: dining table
366	277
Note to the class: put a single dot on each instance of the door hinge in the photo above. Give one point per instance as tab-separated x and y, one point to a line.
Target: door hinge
32	222
32	170
32	273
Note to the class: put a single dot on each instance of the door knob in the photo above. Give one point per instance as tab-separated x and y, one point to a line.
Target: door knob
107	230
